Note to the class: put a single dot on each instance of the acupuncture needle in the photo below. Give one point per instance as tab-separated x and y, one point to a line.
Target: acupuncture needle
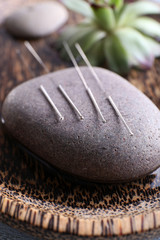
70	101
43	90
68	50
35	55
84	57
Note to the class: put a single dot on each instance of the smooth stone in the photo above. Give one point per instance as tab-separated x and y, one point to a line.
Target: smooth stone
89	148
37	20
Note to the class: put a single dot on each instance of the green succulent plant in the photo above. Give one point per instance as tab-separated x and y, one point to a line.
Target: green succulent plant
117	33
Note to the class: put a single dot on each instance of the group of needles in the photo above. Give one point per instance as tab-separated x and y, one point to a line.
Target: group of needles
82	78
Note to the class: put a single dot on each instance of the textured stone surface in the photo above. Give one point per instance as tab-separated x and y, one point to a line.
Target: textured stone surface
37	20
90	149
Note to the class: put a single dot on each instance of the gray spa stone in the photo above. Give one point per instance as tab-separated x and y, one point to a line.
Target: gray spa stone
37	20
91	149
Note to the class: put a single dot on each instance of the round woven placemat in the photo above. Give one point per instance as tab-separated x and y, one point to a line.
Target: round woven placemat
48	199
31	193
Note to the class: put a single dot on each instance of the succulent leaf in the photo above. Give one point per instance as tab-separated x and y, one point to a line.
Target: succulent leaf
96	54
81	33
154	47
117	3
87	37
105	17
116	55
73	34
79	6
147	25
143	8
88	40
133	10
141	50
116	33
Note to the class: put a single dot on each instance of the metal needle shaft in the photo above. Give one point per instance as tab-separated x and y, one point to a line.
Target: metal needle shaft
70	101
95	103
84	57
68	50
119	114
89	92
35	55
51	102
81	52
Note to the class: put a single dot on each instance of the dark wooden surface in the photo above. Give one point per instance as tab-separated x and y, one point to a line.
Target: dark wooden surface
17	66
